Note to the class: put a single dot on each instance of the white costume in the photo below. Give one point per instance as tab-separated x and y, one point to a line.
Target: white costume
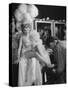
29	64
30	68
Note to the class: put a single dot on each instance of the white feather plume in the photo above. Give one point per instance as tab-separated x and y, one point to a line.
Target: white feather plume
32	10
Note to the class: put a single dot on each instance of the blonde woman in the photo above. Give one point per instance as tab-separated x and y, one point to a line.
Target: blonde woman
31	57
31	53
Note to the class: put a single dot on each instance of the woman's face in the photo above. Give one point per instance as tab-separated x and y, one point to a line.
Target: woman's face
26	28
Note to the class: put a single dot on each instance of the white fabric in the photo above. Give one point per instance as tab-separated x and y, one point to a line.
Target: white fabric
30	69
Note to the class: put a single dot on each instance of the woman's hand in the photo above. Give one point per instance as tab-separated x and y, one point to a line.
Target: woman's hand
16	62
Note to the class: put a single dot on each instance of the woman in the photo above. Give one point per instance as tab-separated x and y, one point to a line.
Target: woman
31	53
31	56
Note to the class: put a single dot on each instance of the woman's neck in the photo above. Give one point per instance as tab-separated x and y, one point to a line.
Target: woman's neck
27	35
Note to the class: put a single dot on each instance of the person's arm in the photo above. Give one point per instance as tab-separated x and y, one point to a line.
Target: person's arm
20	47
19	51
43	56
41	53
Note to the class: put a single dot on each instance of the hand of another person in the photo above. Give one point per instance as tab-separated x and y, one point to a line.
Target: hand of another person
54	70
50	51
51	65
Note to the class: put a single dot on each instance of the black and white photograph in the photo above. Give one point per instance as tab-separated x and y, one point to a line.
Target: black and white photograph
37	44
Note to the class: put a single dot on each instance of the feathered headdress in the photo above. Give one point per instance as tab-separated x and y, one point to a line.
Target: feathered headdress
26	13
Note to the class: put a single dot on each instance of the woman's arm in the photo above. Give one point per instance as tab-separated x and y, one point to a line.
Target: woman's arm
43	56
20	47
19	51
